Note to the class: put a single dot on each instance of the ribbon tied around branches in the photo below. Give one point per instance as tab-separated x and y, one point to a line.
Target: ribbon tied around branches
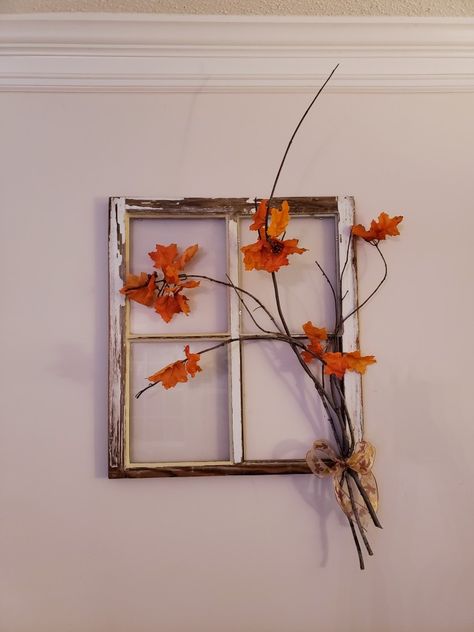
357	468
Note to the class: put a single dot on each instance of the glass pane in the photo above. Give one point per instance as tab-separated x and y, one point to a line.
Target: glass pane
281	410
208	302
189	422
304	292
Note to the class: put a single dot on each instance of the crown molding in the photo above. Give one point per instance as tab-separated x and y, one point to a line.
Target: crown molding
95	52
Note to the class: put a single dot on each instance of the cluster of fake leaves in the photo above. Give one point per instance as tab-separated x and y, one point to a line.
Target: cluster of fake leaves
165	294
270	252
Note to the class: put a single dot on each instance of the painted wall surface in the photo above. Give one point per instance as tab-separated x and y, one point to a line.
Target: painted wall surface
262	554
425	8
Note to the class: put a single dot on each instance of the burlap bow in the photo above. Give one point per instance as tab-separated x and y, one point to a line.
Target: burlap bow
323	461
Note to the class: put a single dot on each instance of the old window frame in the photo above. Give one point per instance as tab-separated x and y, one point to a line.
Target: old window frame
122	211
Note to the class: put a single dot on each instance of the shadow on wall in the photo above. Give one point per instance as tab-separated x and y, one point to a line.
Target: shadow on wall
100	367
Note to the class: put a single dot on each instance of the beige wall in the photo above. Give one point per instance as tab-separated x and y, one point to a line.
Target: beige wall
265	7
261	554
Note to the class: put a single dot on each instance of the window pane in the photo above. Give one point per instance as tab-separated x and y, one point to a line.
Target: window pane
281	409
189	422
304	292
208	302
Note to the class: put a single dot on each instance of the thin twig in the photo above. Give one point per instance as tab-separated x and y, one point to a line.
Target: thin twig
346	413
296	131
356	541
259	303
376	289
341	276
246	307
355	511
336	303
340	416
328	405
365	497
279	337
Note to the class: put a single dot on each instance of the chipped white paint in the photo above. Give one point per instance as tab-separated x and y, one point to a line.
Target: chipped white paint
121	211
152	53
116	316
350	336
234	349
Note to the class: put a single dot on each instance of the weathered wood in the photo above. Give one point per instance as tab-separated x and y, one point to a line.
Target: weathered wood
226	206
350	335
246	468
116	338
120	210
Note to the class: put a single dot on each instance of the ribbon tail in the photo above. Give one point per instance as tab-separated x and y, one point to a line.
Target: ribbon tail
369	485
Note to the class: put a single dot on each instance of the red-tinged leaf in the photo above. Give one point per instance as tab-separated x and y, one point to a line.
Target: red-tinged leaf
167	306
335	364
260	216
379	229
269	255
315	333
164	255
192	360
170	375
182	301
187	255
171	273
140	288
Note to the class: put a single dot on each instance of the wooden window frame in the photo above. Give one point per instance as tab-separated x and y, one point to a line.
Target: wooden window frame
122	210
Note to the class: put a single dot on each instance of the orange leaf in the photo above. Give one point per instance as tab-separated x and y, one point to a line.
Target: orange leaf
339	363
167	306
189	284
315	335
380	228
164	255
335	364
171	273
270	254
182	301
260	216
279	221
170	375
140	288
187	255
192	362
166	258
358	363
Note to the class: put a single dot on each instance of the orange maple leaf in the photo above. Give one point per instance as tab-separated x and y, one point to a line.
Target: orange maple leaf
338	363
315	335
187	255
335	364
173	302
163	255
167	306
279	220
380	228
260	216
192	362
140	288
269	254
166	258
170	375
358	363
